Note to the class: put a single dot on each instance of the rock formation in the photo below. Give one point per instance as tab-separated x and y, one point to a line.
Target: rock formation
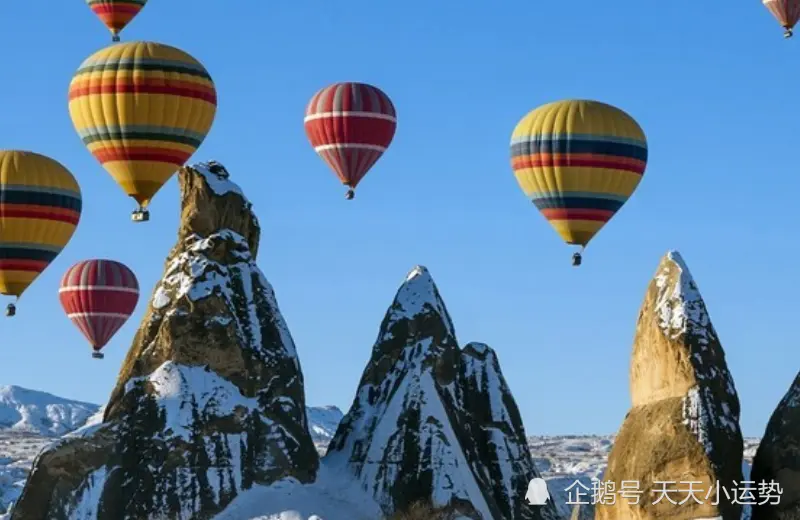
682	433
776	466
210	398
431	422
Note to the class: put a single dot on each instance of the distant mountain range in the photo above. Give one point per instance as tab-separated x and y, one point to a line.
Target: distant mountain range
32	411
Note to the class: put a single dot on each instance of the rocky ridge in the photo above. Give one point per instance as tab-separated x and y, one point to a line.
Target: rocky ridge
210	394
433	422
684	422
777	462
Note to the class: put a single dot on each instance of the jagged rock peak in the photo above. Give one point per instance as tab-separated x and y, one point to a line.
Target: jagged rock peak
210	396
418	295
776	466
680	307
684	422
211	202
433	423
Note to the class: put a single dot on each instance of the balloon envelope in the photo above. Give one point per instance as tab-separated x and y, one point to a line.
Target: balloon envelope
99	296
578	161
40	207
787	12
116	14
350	125
142	109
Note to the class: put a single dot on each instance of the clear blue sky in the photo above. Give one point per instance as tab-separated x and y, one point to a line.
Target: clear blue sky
713	84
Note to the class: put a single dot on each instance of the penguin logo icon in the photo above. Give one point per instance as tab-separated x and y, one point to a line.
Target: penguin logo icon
537	494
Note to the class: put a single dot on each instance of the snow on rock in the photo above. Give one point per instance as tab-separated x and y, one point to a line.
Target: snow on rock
433	423
562	459
19	448
32	411
209	401
776	466
684	423
680	307
218	178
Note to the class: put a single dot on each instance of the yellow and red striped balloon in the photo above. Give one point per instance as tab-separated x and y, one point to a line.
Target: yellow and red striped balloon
142	109
578	161
40	207
116	14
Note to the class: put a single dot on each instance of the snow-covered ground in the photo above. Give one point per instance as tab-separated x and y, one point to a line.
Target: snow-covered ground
561	459
565	459
32	420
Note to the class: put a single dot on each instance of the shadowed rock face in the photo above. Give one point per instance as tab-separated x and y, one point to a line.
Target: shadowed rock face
684	423
776	466
209	400
434	423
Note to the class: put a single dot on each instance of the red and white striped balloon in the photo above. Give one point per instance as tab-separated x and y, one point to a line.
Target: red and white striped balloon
99	296
350	125
787	12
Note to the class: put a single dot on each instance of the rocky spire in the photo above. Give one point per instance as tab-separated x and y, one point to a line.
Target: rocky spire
776	466
432	423
209	400
684	423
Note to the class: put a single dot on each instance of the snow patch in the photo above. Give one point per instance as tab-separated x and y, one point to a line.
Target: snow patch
89	500
161	299
679	306
172	382
559	462
192	275
217	178
452	476
418	295
702	417
697	419
333	496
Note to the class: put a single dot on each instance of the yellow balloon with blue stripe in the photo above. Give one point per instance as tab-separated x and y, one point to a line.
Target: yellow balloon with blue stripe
40	207
142	109
578	161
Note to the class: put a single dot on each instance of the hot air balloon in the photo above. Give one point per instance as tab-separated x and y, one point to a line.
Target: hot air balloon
116	14
787	12
350	125
40	206
142	109
99	296
578	161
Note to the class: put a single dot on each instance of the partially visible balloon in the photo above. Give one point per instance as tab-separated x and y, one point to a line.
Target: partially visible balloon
142	109
787	12
99	296
116	14
40	207
579	162
350	125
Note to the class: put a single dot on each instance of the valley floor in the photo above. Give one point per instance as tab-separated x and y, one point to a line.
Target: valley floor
561	459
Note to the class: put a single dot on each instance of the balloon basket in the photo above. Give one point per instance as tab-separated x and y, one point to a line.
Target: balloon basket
11	310
350	194
140	215
576	259
97	355
115	38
